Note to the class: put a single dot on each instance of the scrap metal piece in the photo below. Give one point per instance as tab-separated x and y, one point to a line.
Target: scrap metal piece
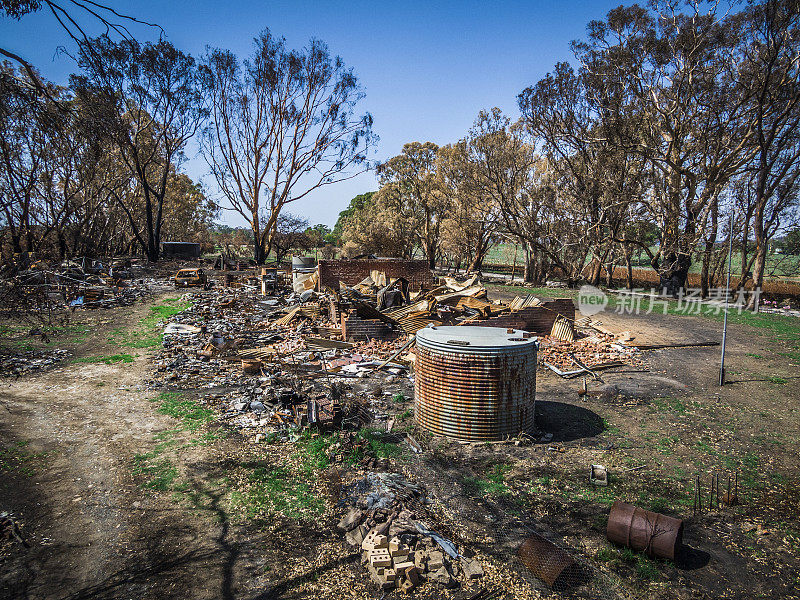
544	559
598	475
251	366
642	530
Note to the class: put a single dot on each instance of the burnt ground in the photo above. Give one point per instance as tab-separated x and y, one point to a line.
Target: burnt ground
101	522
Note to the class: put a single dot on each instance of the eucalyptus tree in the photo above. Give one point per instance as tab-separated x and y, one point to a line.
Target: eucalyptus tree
283	124
146	99
411	189
506	171
373	225
578	119
676	70
473	219
770	77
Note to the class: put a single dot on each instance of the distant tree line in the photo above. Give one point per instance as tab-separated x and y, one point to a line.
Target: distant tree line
675	117
93	168
80	176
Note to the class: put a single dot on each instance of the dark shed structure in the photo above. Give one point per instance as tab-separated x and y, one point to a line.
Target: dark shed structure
180	250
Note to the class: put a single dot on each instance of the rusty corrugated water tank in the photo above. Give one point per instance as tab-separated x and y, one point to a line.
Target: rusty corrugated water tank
475	383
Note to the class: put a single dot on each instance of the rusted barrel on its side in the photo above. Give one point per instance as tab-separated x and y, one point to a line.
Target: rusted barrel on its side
545	560
642	530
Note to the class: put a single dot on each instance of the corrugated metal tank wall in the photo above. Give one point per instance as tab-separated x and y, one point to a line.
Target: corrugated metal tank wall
475	383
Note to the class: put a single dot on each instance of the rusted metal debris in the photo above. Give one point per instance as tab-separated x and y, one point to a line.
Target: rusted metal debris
191	278
545	560
644	531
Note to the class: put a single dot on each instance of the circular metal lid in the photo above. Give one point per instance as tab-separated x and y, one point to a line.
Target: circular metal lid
476	340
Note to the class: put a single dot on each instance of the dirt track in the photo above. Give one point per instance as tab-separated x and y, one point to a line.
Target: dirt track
92	532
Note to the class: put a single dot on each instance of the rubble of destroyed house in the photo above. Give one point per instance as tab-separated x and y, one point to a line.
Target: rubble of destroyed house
276	356
329	347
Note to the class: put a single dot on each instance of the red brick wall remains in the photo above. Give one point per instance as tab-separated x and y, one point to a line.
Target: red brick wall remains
352	272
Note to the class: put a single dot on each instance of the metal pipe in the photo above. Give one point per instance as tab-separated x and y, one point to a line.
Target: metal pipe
727	291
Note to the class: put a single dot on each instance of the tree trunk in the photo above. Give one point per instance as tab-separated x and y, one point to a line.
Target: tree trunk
674	272
704	279
530	259
761	255
597	271
628	267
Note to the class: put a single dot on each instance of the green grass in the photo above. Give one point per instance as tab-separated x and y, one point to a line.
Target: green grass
147	334
158	473
494	484
160	312
782	265
669	404
646	569
705	447
108	360
190	412
17	459
18	336
609	428
274	491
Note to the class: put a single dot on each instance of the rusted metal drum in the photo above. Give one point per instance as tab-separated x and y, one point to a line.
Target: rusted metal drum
642	530
475	383
544	559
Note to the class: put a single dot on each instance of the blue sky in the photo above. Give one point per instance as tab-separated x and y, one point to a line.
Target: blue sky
427	68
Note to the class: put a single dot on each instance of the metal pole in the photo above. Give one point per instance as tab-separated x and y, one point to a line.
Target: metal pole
727	292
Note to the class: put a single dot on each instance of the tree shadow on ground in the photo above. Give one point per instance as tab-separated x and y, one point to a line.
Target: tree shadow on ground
150	572
278	590
567	422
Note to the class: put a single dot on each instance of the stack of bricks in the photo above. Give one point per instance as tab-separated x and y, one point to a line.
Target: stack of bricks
351	272
391	563
538	319
354	328
397	555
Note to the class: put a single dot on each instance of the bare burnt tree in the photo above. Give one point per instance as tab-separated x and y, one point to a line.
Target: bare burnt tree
28	127
146	98
283	124
70	15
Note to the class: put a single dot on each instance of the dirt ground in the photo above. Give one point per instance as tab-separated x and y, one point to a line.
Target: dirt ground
71	436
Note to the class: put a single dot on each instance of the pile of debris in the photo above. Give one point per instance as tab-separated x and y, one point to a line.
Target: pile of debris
294	358
9	529
28	361
398	550
78	284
